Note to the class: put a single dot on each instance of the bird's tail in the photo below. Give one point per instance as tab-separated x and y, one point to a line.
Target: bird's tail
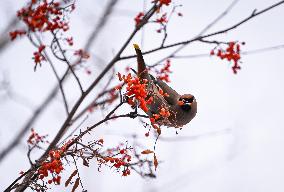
140	61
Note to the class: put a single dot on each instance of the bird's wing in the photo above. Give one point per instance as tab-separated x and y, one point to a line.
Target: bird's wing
143	73
173	95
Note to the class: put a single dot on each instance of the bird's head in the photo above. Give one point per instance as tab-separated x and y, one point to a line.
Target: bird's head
186	102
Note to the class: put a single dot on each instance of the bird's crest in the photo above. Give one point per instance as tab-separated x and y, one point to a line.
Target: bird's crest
142	70
136	46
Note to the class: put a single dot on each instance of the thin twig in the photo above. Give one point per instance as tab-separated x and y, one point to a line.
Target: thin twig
74	141
76	128
198	38
96	81
4	36
56	75
254	51
42	107
78	173
112	112
217	19
105	16
92	105
66	123
67	61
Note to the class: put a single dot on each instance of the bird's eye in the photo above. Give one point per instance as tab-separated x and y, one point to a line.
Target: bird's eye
188	100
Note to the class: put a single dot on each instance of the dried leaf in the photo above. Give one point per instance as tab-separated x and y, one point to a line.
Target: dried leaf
76	184
155	161
70	178
159	131
101	141
147	151
85	162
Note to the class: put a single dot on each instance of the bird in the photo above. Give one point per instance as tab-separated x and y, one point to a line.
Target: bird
182	108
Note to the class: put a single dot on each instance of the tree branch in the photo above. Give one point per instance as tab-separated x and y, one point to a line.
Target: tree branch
43	106
202	37
66	123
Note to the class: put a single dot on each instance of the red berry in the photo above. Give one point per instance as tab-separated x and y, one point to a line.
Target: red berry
122	151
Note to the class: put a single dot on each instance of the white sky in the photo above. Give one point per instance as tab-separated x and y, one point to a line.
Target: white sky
245	109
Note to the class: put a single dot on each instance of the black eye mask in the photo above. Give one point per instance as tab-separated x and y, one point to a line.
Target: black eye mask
187	100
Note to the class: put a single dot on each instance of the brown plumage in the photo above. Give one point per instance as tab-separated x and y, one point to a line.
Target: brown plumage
182	108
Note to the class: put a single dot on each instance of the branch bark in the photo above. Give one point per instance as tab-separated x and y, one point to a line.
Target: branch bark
31	176
202	37
42	107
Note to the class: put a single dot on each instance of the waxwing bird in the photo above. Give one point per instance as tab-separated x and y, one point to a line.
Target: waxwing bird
182	108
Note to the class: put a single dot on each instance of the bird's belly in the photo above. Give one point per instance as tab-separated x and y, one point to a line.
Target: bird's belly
180	118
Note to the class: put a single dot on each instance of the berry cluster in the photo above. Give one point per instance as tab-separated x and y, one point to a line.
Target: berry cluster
231	53
138	18
14	34
82	57
162	20
69	40
38	56
53	166
35	138
163	74
136	90
41	15
163	113
44	16
118	158
165	2
82	54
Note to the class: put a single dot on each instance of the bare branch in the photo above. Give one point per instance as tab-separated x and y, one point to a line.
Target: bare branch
4	36
217	19
66	124
56	75
255	51
67	61
202	37
108	11
42	106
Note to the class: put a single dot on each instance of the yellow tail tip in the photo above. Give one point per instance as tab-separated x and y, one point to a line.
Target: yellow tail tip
136	46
